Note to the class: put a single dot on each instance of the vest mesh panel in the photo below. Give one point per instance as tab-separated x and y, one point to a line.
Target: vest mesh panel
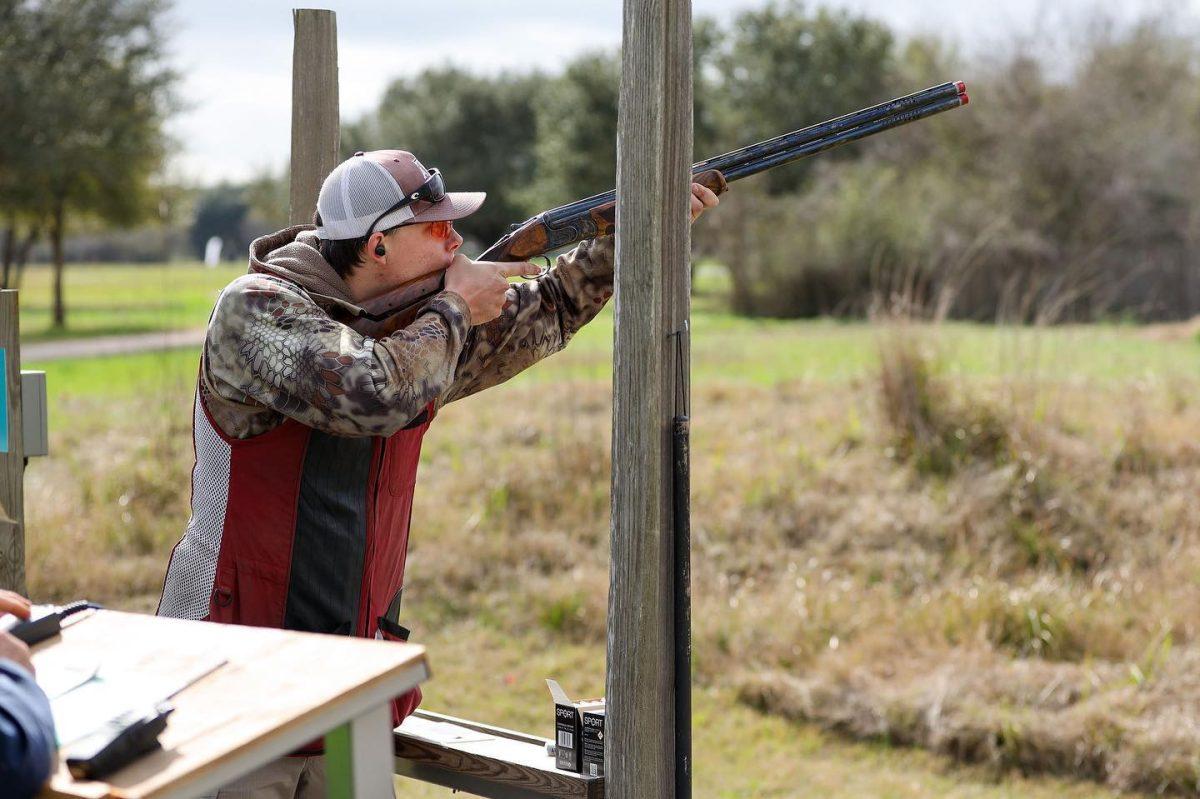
193	567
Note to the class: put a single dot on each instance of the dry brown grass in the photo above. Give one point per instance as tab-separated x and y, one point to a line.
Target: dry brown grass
1018	591
1004	571
106	509
998	571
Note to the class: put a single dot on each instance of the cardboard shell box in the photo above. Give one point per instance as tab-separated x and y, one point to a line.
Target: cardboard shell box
578	733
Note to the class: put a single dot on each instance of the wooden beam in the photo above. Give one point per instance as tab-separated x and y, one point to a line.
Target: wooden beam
484	760
654	152
12	450
316	124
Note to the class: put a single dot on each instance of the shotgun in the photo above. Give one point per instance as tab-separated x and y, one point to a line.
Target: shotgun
569	224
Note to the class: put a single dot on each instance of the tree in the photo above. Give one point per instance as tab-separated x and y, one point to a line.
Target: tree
89	94
1064	194
778	69
267	195
22	227
577	131
479	131
221	211
781	68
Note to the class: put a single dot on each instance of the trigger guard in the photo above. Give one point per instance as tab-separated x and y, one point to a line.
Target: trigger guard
541	270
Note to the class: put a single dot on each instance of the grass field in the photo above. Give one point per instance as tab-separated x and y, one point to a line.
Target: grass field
107	300
104	299
976	541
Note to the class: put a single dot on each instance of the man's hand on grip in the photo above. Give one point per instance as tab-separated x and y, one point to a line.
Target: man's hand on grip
483	284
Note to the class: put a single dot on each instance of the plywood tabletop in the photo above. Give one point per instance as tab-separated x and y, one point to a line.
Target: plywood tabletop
277	690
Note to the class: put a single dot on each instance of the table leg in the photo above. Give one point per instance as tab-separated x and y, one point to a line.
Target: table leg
358	757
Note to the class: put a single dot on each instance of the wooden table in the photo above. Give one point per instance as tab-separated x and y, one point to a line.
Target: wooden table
278	691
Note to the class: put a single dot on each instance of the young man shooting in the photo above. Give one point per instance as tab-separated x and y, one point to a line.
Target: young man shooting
307	433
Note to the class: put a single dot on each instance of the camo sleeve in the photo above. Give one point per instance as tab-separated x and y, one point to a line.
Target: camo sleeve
541	318
270	347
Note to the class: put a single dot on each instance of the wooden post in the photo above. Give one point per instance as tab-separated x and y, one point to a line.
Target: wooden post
654	151
316	124
12	450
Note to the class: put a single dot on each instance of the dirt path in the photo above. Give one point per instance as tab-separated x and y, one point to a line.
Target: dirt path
111	345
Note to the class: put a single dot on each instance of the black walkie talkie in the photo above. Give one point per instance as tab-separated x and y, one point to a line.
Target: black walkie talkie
120	741
44	621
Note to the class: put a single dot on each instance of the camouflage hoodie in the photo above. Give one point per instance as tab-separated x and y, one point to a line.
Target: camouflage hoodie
274	351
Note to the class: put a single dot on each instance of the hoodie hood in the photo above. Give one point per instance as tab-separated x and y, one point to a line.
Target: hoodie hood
292	254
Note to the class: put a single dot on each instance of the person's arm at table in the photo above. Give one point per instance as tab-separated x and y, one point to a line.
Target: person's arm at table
28	752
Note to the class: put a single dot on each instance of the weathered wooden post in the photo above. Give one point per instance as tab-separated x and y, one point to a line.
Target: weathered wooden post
316	121
654	151
12	449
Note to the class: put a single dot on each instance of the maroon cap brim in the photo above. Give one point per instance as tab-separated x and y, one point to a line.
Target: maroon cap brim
455	205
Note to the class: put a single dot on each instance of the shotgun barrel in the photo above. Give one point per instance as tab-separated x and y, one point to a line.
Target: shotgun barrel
787	155
952	94
787	141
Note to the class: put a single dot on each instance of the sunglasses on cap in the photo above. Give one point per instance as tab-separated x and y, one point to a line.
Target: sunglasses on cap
433	190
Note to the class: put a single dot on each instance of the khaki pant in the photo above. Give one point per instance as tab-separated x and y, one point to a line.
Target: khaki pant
285	778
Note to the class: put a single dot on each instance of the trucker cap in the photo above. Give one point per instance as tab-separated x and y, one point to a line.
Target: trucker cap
366	185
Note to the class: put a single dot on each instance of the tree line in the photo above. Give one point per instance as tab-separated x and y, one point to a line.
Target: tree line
84	95
1066	190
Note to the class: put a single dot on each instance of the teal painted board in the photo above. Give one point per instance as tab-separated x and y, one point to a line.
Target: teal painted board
3	401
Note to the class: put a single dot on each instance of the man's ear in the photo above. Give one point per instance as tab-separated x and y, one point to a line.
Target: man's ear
376	249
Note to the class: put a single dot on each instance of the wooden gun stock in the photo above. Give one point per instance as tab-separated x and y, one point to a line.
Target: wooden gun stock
396	309
541	234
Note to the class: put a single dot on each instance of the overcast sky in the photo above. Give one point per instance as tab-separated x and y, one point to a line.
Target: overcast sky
235	55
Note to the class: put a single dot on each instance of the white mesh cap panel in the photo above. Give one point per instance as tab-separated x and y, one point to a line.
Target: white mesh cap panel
333	204
355	193
193	566
375	190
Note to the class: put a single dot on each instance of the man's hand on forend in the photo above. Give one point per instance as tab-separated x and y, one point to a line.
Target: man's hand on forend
702	199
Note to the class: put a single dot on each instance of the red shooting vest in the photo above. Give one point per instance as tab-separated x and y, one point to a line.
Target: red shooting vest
298	529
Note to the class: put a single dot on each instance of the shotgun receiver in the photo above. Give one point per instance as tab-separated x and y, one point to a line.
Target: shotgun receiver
569	224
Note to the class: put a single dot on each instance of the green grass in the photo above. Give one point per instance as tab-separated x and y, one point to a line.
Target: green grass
116	377
127	299
729	349
111	299
769	351
103	384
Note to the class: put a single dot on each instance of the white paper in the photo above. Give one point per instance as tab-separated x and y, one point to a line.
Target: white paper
439	732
